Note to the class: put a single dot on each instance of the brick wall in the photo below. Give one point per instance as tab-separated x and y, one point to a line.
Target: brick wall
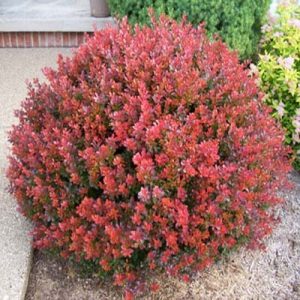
40	39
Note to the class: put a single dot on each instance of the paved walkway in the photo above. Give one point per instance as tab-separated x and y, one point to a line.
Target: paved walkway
16	65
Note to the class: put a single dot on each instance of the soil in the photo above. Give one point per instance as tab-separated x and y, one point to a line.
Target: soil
270	274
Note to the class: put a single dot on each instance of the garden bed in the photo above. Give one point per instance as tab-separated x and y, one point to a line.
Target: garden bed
273	274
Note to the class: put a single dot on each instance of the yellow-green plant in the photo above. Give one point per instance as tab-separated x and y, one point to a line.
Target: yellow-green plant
279	71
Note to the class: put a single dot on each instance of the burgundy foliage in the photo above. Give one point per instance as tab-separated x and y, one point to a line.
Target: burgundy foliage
148	147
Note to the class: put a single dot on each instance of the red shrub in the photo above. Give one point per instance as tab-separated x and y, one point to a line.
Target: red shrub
147	148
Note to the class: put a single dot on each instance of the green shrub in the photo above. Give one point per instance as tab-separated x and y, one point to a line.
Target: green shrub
237	21
279	69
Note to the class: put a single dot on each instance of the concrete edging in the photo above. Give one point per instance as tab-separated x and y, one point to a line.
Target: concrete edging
82	24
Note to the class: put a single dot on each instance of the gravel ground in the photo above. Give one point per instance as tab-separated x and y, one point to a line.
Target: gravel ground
270	274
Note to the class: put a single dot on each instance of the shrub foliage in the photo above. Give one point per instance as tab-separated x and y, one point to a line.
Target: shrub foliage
238	22
148	148
279	69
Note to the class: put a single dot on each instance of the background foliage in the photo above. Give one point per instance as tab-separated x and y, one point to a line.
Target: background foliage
237	21
279	70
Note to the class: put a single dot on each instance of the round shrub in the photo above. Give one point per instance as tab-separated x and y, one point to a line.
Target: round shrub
149	148
279	70
237	21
